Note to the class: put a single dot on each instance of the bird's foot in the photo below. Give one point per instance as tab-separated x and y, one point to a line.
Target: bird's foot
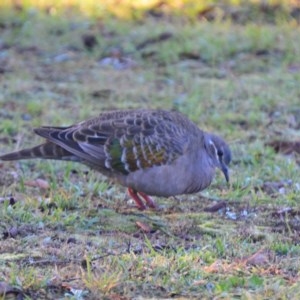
150	202
140	204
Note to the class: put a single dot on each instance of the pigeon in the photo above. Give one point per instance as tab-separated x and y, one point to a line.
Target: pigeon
151	152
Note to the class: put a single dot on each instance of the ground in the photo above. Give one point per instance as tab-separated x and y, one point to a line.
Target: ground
69	233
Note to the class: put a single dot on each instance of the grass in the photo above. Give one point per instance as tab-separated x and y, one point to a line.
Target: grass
82	238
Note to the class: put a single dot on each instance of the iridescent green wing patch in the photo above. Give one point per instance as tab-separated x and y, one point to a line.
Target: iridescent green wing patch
114	159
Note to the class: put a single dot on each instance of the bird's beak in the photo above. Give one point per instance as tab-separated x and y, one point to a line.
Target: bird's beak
225	172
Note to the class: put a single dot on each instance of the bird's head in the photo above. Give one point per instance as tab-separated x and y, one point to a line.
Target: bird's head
219	152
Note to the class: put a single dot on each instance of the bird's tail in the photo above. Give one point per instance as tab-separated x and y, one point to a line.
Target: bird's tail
47	150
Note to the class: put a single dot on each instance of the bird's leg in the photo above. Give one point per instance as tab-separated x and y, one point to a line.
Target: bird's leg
134	195
140	204
150	202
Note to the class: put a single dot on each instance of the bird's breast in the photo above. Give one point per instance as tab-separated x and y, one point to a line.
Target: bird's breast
181	177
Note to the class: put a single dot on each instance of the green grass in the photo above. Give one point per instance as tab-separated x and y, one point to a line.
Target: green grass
82	238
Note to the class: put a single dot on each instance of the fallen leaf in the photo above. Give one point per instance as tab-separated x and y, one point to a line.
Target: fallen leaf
286	211
200	282
40	183
216	207
217	266
259	258
145	227
272	187
285	147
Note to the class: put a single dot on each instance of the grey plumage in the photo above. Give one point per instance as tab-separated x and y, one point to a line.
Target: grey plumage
152	152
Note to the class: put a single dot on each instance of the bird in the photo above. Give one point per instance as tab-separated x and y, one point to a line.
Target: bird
152	152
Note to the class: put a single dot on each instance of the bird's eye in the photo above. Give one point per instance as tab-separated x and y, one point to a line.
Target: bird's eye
220	152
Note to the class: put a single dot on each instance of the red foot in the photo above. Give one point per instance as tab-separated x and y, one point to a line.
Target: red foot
140	204
134	195
150	202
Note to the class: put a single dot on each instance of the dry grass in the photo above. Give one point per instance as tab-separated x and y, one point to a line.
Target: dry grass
81	237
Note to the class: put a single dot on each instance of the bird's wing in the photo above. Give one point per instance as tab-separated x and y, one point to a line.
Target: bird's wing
124	143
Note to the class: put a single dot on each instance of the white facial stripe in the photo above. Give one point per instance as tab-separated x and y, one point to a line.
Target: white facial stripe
216	150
